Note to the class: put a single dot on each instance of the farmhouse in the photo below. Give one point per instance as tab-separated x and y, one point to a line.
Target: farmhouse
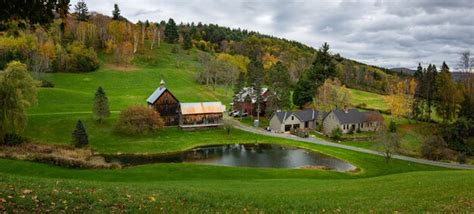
285	121
163	101
351	120
244	101
203	114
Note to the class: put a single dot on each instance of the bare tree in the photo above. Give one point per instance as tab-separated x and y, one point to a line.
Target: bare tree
466	66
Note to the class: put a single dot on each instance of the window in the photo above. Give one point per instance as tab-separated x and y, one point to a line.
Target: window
292	118
287	128
295	126
362	125
306	124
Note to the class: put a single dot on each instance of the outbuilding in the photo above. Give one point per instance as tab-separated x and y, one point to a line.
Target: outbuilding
201	115
165	103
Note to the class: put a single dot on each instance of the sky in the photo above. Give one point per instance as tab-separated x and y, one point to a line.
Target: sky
387	33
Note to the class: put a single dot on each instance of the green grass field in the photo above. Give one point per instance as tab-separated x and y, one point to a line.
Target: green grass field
378	185
371	100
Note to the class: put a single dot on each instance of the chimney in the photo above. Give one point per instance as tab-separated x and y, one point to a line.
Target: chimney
346	109
162	84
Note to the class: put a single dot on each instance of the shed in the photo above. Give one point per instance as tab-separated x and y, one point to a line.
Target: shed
201	114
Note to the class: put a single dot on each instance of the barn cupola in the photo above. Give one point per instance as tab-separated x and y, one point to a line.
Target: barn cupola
162	84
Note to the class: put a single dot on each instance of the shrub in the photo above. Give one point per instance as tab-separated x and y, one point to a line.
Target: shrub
47	84
393	126
435	148
82	59
79	135
13	139
139	120
336	133
462	158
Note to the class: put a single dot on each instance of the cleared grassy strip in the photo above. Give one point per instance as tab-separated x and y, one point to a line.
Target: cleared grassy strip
408	192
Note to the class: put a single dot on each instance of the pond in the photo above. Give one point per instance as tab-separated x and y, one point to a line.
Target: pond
242	155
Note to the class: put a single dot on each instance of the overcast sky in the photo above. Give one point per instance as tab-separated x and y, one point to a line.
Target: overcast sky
388	33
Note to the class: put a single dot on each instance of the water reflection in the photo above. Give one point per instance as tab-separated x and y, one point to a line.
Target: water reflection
245	155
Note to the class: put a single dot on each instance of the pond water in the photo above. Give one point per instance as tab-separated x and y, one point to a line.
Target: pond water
243	155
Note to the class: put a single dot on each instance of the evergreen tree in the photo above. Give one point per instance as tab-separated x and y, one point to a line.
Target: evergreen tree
187	42
322	68
429	88
101	105
255	80
418	101
79	135
279	82
171	32
82	11
240	84
303	92
116	13
448	96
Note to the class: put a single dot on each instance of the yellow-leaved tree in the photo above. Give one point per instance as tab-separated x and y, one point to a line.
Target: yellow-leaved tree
401	97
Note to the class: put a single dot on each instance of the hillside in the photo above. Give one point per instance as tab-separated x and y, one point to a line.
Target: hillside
198	62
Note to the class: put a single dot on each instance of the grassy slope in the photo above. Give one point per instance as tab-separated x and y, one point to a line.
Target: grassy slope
186	186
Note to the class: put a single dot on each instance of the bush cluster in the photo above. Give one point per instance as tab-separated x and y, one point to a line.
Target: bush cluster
139	120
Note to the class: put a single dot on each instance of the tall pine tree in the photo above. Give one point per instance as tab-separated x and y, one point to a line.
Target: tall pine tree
255	77
303	92
79	135
82	11
418	101
279	84
240	84
448	95
116	13
322	68
171	31
101	105
187	42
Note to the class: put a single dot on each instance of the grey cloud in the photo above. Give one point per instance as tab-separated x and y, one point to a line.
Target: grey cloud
381	32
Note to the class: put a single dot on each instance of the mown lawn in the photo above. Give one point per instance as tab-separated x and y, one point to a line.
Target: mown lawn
131	190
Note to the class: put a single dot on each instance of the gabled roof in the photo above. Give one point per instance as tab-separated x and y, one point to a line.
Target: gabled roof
355	116
201	108
304	115
249	92
157	94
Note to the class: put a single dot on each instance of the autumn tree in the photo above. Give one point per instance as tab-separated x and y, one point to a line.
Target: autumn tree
81	11
18	91
280	87
332	95
448	95
387	142
171	32
101	105
400	98
79	135
139	120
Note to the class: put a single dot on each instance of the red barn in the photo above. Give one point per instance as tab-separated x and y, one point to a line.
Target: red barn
244	101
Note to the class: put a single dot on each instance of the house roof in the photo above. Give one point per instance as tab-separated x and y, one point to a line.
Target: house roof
248	92
157	94
355	116
202	108
304	115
